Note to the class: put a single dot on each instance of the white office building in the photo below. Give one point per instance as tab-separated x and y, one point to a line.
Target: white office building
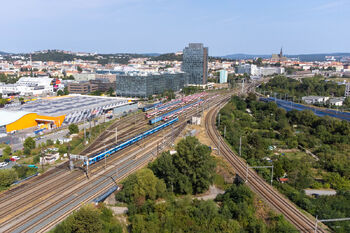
223	76
28	86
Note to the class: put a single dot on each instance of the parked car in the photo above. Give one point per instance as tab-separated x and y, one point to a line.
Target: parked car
3	164
15	158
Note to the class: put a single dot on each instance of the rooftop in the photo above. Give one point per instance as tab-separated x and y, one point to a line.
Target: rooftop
63	105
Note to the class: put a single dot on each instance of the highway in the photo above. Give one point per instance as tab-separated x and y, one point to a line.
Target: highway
39	204
254	181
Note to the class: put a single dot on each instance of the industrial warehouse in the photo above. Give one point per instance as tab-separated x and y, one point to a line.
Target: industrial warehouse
53	112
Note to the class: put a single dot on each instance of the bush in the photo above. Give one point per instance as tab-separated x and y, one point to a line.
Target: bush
7	177
73	128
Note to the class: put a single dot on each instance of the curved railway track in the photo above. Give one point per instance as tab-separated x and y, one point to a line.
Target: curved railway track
33	198
255	182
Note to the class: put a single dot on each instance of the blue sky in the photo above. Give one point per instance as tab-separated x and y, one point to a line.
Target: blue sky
140	26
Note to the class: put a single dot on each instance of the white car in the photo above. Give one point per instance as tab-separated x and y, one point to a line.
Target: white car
3	164
16	158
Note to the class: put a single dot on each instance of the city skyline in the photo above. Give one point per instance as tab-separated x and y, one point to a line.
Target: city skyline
161	26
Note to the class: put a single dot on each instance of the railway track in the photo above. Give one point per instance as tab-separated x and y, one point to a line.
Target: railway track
24	205
55	198
255	182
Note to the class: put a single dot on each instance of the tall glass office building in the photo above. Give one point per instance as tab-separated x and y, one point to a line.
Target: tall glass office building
195	63
146	84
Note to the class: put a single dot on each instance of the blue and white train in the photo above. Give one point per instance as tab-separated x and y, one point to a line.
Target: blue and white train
129	142
164	116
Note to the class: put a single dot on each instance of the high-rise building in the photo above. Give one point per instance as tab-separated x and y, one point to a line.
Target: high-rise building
195	63
223	76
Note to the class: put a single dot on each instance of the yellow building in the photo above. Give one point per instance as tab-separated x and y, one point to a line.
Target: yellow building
18	120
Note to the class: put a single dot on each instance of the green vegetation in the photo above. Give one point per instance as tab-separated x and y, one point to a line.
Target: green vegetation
7	177
73	129
8	79
90	219
24	171
189	171
140	186
167	57
155	204
264	126
307	86
7	151
28	145
191	90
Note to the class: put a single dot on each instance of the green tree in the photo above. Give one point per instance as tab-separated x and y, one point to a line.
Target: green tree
194	161
28	145
73	128
85	220
141	186
7	151
65	91
49	142
60	93
7	177
79	69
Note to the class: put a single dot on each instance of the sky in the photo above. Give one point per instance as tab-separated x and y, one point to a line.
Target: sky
163	26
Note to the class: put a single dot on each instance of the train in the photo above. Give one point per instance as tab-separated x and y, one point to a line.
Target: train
288	106
95	158
103	196
151	106
166	115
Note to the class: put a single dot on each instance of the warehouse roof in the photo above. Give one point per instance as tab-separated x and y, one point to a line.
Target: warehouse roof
7	117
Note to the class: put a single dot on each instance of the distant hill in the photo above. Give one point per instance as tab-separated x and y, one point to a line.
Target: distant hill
301	57
167	57
3	53
151	54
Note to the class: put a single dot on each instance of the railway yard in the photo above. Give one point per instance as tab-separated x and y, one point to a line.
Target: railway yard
40	203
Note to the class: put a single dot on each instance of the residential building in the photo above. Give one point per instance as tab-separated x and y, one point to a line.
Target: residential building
336	101
84	76
195	63
223	76
146	84
315	99
81	88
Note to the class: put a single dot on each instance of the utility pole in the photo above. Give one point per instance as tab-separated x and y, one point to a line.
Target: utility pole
225	132
240	146
219	119
105	157
84	132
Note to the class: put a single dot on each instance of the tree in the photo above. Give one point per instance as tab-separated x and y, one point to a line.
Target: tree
110	91
7	177
28	145
60	93
79	69
73	128
7	151
193	160
49	142
141	186
85	220
65	90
